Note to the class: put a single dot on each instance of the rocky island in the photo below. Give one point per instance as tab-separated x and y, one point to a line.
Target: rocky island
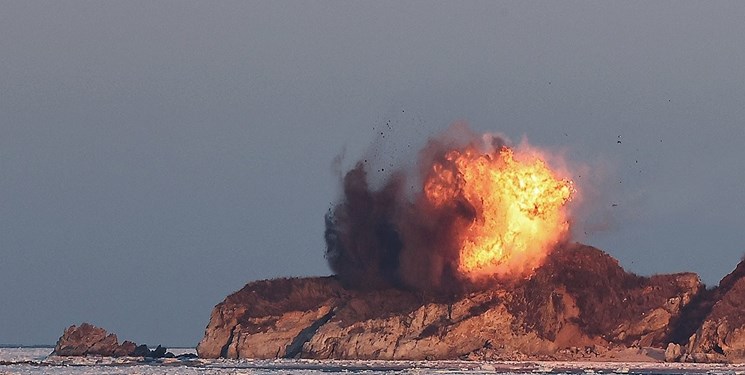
469	256
89	340
579	305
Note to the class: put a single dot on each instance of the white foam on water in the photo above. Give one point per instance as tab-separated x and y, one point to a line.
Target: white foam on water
37	361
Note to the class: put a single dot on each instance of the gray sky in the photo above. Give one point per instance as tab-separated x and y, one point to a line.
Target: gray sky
156	156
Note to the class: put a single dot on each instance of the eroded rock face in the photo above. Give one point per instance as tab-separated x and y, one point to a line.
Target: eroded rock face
581	298
611	304
272	311
89	340
721	336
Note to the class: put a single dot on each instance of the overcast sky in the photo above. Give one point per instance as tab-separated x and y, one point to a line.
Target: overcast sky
156	156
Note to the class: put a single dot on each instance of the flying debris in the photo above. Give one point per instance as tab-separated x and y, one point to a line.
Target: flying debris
482	210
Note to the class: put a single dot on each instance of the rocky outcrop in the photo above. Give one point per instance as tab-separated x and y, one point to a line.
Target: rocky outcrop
578	304
721	335
89	340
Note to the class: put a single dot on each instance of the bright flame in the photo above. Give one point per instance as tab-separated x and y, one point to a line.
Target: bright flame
515	206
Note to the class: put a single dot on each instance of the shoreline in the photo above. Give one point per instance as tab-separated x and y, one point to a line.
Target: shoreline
332	366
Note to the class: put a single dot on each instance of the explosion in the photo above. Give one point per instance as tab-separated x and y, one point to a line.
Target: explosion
484	211
517	209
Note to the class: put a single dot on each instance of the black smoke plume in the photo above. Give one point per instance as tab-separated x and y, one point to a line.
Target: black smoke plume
391	237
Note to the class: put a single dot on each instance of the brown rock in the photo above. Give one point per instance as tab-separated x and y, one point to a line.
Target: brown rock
126	349
79	341
721	336
673	352
105	347
257	308
617	306
88	339
581	298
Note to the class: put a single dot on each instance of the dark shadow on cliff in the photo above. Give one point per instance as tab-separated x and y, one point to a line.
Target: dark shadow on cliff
606	296
696	312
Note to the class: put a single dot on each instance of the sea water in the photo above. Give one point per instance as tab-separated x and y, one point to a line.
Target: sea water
38	361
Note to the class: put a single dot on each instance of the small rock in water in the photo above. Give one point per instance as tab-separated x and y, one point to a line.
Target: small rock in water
141	351
88	339
125	349
159	352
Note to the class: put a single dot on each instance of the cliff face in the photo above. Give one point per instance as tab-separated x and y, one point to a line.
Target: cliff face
721	335
580	298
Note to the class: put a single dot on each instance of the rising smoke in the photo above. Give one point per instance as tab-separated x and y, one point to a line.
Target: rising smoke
391	237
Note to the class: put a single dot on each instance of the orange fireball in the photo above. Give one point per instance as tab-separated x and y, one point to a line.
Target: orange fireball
514	208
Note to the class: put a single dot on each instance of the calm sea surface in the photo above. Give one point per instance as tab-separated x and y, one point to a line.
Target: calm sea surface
38	361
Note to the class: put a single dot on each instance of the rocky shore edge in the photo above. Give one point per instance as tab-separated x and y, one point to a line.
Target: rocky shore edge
89	340
581	305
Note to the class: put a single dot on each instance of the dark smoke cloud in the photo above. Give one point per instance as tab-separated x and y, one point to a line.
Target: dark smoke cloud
389	237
